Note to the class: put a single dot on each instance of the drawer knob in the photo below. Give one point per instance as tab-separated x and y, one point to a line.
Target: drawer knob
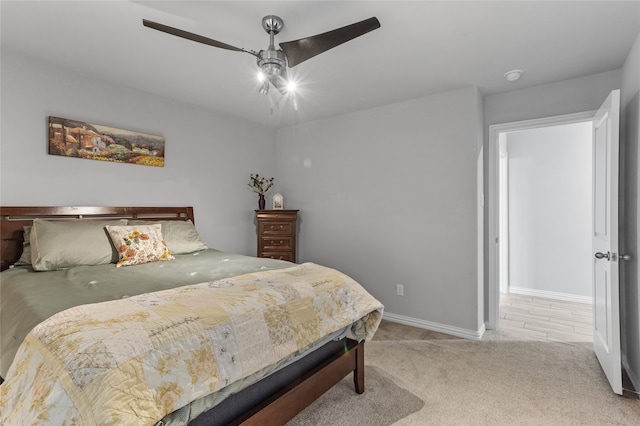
274	228
276	243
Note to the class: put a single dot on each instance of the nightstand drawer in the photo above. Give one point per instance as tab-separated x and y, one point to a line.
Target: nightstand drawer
286	255
276	228
278	243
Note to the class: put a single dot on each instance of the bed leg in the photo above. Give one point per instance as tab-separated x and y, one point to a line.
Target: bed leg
358	373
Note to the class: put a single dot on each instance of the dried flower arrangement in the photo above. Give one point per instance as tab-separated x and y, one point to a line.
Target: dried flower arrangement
260	185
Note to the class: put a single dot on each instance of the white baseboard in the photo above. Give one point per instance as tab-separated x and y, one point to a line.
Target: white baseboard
434	326
551	295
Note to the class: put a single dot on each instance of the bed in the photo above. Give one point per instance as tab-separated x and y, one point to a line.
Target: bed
192	336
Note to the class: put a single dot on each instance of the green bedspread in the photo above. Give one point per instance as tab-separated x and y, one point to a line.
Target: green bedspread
27	297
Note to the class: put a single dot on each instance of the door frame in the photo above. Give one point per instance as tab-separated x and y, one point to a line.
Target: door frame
493	255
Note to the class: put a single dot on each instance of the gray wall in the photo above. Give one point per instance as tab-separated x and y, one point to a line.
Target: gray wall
209	156
388	195
563	97
549	198
630	212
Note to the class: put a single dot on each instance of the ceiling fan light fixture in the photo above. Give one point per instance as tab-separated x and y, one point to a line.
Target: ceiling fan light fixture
271	70
271	62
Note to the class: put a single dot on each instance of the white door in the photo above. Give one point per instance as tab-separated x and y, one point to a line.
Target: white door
606	308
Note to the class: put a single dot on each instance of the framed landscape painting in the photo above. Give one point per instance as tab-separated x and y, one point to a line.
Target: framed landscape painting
72	138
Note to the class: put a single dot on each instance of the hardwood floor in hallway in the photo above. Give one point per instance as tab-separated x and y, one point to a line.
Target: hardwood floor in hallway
537	318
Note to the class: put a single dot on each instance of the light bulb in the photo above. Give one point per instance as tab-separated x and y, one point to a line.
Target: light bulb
264	88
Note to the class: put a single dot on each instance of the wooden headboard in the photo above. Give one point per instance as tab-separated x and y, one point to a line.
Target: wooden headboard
13	219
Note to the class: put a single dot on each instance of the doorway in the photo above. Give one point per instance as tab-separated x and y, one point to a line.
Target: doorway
527	255
545	177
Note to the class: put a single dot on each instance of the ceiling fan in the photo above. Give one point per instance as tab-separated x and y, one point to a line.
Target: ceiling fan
273	62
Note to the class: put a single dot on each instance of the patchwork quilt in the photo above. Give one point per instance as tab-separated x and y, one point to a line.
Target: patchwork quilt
134	360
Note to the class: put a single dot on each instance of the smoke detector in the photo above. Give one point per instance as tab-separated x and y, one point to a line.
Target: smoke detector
513	75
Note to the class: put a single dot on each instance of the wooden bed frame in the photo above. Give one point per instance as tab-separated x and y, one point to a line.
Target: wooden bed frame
276	409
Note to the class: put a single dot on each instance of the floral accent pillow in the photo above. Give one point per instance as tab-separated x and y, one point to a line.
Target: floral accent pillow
139	244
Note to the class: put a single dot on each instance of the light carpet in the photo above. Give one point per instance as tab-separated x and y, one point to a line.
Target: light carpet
441	380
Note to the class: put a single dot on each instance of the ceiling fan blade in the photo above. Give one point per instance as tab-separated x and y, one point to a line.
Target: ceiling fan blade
298	51
193	37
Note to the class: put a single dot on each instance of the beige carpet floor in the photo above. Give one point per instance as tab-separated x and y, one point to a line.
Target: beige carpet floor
417	377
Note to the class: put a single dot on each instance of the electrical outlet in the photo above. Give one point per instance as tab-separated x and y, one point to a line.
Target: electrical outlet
399	289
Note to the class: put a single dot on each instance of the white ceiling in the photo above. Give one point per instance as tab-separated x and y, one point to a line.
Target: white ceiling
422	48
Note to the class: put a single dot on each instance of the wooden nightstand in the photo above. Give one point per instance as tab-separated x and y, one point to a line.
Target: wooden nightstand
277	234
